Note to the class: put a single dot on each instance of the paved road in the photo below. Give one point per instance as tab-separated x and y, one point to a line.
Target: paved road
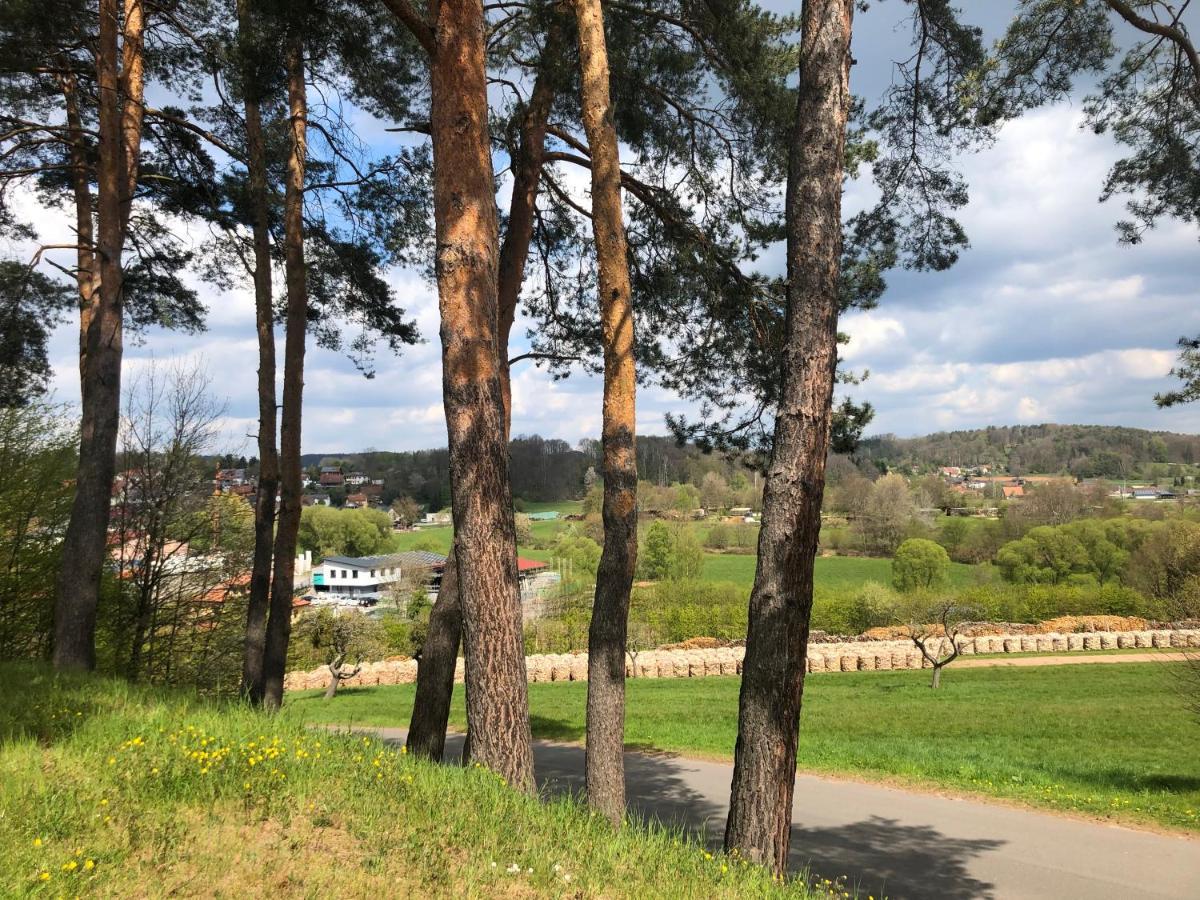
905	844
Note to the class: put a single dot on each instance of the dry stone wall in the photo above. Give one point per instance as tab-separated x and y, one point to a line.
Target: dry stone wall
858	656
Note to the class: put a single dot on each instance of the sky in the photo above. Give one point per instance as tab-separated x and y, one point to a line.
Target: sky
1046	318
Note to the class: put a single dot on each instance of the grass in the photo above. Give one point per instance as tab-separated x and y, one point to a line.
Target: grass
112	790
833	573
843	573
1115	741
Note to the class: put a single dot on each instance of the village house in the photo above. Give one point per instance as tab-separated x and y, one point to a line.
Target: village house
229	478
354	479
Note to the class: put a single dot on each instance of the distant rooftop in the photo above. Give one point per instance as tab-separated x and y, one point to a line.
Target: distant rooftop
420	558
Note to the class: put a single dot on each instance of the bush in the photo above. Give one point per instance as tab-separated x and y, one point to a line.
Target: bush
739	538
670	553
920	564
873	606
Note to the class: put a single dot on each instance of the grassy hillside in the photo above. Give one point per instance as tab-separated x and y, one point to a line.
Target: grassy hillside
110	790
1109	740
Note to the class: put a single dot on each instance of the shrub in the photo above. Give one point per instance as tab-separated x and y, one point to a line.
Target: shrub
873	606
670	553
920	564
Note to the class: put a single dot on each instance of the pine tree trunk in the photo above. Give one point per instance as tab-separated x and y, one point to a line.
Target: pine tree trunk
760	814
481	497
86	276
120	84
435	669
527	174
279	623
605	766
435	673
268	475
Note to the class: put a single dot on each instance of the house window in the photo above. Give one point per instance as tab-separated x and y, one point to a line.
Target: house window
372	573
354	574
343	573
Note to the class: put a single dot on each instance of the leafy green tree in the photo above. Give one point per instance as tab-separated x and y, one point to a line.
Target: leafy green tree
1166	565
687	498
327	531
1046	555
580	551
920	564
952	531
655	558
670	553
37	457
687	556
1105	558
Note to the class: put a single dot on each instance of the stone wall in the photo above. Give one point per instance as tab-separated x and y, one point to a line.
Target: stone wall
858	656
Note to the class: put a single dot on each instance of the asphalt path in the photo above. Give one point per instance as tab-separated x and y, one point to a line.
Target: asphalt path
902	844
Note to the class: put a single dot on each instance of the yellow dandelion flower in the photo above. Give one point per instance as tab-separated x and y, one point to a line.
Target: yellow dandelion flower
89	864
37	842
43	876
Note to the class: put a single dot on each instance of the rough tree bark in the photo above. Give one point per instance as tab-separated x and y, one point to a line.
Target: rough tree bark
268	479
81	186
120	80
279	623
481	497
339	673
760	814
435	671
605	766
527	174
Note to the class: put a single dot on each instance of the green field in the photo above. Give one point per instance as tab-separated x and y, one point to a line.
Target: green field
841	573
110	790
1108	740
834	573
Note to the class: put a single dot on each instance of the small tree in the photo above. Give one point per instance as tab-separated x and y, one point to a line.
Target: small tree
920	564
935	628
639	637
524	527
656	553
338	636
407	510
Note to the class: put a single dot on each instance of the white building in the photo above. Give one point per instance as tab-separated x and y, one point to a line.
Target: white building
365	580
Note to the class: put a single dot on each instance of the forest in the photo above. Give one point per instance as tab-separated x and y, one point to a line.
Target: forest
1085	451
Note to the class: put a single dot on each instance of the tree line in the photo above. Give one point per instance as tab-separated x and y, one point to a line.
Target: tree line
1086	451
686	120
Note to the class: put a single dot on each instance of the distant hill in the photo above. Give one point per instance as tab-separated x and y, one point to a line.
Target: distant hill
1082	450
550	470
541	469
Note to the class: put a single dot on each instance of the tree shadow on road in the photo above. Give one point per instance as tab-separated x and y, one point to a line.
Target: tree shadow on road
881	857
878	856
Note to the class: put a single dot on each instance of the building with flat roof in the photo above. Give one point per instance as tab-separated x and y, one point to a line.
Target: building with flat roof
365	580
